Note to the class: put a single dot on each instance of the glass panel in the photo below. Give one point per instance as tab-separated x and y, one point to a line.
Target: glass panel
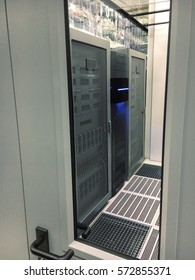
90	124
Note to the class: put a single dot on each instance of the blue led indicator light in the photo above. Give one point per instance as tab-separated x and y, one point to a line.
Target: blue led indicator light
123	89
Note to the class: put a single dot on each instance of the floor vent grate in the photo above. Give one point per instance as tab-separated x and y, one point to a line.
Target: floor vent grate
118	235
151	171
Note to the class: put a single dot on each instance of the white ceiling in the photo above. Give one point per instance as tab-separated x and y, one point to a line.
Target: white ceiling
140	6
126	4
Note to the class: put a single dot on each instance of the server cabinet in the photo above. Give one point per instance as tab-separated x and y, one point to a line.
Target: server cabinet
129	89
90	82
137	72
119	117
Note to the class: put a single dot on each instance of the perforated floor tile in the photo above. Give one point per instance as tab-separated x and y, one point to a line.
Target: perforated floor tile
151	171
118	234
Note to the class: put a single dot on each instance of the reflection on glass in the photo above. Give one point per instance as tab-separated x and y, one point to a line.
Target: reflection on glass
90	120
97	18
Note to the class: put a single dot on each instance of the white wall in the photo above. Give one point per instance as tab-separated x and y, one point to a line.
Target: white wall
157	63
178	207
186	223
13	239
35	160
37	38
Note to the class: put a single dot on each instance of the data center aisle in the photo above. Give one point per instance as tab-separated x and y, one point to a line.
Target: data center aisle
129	224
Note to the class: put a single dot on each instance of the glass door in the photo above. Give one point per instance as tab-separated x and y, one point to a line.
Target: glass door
89	79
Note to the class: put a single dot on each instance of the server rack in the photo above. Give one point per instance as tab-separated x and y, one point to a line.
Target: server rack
137	103
128	70
91	84
119	117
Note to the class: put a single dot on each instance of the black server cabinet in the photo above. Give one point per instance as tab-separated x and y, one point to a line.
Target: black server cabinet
119	118
90	94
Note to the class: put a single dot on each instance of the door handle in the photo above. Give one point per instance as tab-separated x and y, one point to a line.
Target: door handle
40	247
